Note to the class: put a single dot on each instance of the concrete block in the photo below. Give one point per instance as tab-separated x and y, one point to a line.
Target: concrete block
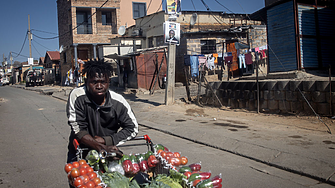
252	95
270	85
261	94
284	106
242	86
318	96
291	95
308	85
230	93
307	108
307	95
296	106
293	85
251	86
282	85
266	94
263	104
322	85
273	105
234	103
323	109
252	104
246	94
279	95
332	97
241	103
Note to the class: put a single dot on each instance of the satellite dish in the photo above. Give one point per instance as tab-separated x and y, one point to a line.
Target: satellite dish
193	18
61	49
122	30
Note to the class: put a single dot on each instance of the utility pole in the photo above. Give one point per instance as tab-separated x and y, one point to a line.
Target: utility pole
29	38
169	90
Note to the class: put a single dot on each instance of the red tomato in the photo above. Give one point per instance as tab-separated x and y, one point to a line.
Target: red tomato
92	175
90	184
170	154
83	186
68	167
89	169
168	158
75	164
98	186
96	180
159	151
75	173
176	154
85	166
187	174
163	154
183	160
82	171
77	182
176	161
82	161
85	178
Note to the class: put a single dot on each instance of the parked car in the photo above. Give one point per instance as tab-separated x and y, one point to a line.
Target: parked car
34	78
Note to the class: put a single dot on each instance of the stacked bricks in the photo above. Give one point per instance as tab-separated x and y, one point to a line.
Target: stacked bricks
279	96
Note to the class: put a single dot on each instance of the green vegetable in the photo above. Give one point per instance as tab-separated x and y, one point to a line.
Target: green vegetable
185	169
205	184
167	180
155	184
178	177
158	147
193	177
92	157
133	184
140	157
148	154
124	157
115	179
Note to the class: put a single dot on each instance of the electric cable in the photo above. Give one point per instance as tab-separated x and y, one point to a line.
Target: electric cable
193	5
42	45
24	42
49	38
224	6
153	15
36	49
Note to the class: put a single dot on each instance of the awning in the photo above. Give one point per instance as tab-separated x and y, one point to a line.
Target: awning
36	68
118	57
240	46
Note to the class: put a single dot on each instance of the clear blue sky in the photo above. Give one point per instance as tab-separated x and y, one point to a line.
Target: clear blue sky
43	22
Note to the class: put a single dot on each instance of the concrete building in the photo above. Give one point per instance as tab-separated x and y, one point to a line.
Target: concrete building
52	67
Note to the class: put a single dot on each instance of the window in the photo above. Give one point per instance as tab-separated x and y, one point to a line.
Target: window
139	10
106	18
208	46
84	22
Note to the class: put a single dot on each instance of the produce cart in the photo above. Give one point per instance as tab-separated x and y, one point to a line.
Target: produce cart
158	167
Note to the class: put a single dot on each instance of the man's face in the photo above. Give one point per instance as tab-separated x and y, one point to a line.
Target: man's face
98	85
171	34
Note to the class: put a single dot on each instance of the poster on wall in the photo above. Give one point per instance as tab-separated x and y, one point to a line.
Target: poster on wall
172	32
173	6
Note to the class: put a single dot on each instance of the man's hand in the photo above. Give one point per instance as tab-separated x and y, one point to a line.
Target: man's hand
114	149
99	139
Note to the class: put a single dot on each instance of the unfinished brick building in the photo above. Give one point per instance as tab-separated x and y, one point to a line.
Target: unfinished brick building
83	25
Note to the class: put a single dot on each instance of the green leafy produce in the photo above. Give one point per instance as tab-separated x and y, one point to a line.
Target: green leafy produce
167	180
185	169
133	184
115	179
178	177
155	184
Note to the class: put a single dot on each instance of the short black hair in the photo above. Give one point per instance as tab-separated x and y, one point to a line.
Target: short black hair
100	67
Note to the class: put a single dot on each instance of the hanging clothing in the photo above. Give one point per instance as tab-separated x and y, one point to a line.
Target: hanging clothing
215	55
248	59
202	62
220	59
242	64
228	59
194	62
210	62
187	60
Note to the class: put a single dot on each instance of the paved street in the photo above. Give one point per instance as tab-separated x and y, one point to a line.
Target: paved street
240	140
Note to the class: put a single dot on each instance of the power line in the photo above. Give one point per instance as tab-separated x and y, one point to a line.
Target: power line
43	31
36	49
42	45
224	6
153	15
49	38
24	42
193	5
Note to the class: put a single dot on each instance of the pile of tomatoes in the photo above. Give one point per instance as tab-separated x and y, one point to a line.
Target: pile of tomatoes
174	158
80	174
